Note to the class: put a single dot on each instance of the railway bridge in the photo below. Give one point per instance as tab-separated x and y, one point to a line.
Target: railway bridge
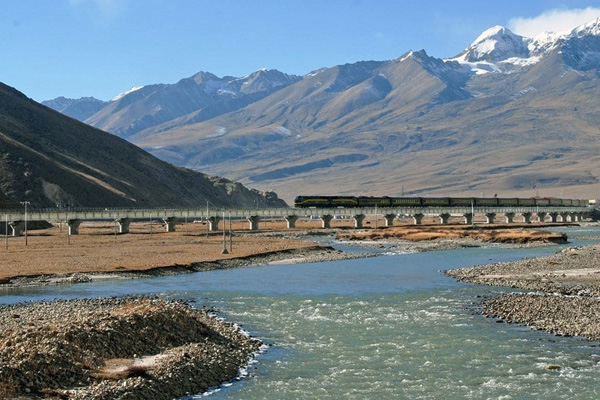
17	220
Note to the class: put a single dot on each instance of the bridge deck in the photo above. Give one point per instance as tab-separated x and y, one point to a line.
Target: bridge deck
140	214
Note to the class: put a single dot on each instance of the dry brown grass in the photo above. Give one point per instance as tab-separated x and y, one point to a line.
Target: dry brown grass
98	249
491	233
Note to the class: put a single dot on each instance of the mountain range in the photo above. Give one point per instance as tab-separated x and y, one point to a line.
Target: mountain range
509	115
51	160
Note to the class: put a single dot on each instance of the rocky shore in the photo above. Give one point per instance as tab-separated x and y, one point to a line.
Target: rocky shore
561	315
118	348
565	290
571	271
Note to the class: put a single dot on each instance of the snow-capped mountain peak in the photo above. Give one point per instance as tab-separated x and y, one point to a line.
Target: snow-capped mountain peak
544	42
500	50
495	44
592	28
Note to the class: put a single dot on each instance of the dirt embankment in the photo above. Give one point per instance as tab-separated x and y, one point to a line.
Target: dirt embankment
484	233
133	348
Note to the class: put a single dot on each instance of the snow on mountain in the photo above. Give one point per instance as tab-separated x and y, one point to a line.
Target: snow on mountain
493	45
500	50
591	28
544	42
121	95
581	47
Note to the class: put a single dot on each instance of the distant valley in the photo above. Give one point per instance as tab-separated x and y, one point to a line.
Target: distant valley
508	116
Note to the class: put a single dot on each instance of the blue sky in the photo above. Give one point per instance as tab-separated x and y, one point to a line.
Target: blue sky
100	48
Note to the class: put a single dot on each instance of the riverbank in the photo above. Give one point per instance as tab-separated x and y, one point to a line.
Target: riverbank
566	285
305	254
132	348
489	233
96	255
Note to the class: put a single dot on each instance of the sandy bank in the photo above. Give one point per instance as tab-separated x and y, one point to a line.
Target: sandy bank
116	349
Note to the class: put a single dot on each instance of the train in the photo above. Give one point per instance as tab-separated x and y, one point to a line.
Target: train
385	201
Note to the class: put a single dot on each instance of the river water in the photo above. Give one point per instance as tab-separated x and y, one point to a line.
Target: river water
391	327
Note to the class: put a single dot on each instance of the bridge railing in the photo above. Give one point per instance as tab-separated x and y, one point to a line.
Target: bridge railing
98	213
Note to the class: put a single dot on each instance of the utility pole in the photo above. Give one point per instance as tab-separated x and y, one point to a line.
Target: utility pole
230	235
25	203
68	228
224	251
6	229
207	224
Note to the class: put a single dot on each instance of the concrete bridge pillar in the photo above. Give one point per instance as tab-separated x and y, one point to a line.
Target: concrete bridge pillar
124	225
213	223
291	221
418	218
170	224
444	218
17	227
326	221
253	221
489	218
510	217
389	219
553	216
73	226
563	216
541	216
468	218
574	217
358	220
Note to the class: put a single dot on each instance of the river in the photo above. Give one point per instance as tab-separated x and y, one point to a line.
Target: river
390	327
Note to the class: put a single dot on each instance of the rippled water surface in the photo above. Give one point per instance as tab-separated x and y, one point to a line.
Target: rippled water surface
391	327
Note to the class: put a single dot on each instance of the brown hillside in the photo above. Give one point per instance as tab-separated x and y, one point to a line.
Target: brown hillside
50	159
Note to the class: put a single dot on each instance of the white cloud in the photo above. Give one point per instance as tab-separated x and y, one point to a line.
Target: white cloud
559	20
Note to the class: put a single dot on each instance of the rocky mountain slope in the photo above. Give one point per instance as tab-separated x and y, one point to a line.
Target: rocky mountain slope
49	159
197	98
509	115
80	109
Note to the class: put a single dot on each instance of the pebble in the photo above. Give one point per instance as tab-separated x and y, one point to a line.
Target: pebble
564	297
59	348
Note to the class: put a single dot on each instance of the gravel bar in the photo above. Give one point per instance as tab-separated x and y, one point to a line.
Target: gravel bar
564	297
117	348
